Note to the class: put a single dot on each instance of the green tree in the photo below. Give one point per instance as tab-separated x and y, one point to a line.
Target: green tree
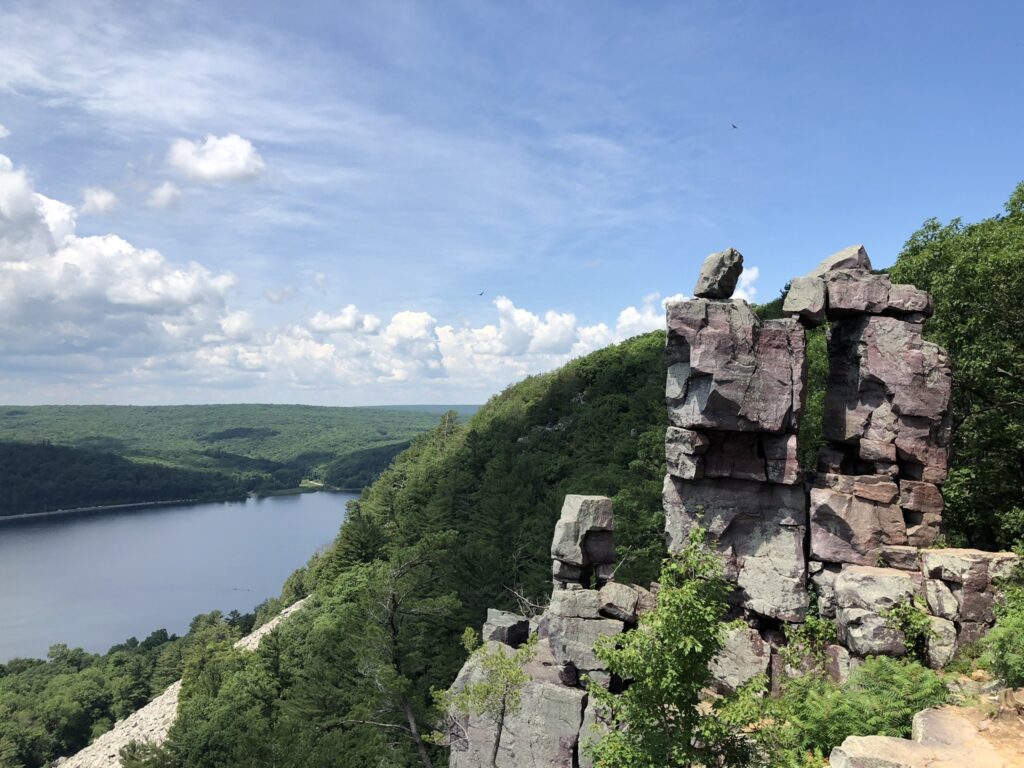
659	720
498	692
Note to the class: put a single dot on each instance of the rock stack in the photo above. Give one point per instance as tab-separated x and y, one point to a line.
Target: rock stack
586	604
735	393
865	519
877	499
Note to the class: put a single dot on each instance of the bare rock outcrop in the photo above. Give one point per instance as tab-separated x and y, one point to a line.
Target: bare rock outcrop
735	393
586	605
734	390
948	737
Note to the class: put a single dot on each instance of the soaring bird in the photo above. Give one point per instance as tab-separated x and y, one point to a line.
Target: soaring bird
734	125
481	293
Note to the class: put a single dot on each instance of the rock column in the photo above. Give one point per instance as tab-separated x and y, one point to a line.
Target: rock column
735	392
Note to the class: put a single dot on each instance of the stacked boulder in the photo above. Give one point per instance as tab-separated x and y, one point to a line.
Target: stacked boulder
858	533
586	604
877	499
735	392
865	519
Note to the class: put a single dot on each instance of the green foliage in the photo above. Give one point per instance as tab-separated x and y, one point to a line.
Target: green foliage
912	620
976	274
56	457
498	692
1003	647
814	714
806	643
658	720
55	707
811	436
38	477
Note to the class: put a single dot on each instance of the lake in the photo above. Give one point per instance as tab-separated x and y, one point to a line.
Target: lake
92	580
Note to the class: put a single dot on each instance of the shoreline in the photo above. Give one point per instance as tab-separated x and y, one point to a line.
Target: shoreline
22	516
108	508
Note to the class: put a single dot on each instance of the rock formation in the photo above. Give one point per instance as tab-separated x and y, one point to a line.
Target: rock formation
854	533
735	391
586	603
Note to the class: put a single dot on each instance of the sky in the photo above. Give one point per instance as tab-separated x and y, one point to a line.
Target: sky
423	202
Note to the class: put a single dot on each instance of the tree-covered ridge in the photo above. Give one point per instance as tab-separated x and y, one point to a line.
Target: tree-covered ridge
460	522
57	706
38	477
131	454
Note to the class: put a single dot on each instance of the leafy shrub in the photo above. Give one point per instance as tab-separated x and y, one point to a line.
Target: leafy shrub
815	714
1003	647
913	622
667	659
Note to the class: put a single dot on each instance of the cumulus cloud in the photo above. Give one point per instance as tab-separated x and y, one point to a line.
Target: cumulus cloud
100	312
101	296
216	158
347	320
746	288
4	133
166	195
98	200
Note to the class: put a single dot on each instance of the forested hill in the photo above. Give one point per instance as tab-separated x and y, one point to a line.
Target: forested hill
58	457
462	521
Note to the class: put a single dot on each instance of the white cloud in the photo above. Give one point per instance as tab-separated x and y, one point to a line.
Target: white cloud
347	320
99	297
279	295
4	133
216	159
98	200
166	195
746	289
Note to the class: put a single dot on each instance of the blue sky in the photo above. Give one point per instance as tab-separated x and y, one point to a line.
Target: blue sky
223	202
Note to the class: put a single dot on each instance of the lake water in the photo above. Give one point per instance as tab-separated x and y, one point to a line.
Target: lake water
93	580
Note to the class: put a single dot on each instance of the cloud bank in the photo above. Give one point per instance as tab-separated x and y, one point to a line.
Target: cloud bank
101	313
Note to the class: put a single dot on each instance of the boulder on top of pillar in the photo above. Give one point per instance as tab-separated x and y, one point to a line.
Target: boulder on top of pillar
719	274
851	257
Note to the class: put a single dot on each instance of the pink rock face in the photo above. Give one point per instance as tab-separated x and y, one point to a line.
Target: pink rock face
729	372
888	394
759	530
920	497
781	459
907	298
847	529
856	292
735	455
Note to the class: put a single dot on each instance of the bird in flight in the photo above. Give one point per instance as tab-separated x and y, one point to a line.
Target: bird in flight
734	125
481	293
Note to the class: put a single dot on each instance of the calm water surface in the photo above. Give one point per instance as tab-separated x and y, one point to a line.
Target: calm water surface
93	580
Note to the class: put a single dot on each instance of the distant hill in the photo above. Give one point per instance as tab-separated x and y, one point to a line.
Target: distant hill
56	457
464	411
